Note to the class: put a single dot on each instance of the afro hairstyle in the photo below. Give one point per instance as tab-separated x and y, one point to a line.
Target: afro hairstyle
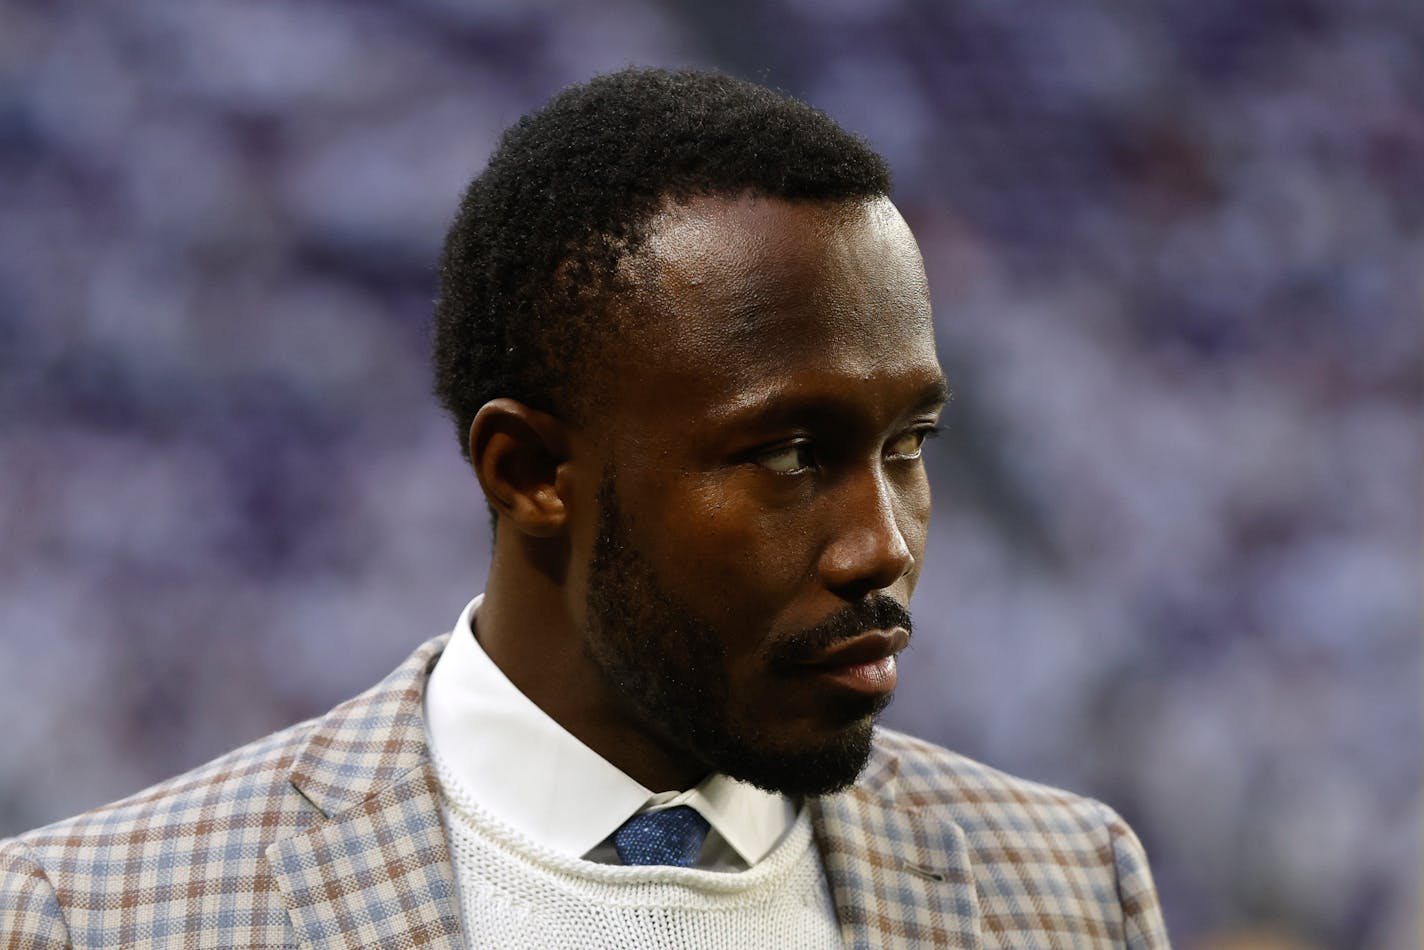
531	263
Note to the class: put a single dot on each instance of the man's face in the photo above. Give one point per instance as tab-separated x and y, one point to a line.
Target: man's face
762	511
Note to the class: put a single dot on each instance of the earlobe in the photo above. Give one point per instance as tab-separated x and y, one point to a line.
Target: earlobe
517	452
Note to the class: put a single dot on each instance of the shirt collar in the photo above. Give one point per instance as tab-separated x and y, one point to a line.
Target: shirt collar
750	820
526	770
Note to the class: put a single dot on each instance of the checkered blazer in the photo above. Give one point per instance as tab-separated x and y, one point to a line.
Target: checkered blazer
328	835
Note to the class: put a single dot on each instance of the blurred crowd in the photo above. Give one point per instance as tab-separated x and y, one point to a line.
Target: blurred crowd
1175	254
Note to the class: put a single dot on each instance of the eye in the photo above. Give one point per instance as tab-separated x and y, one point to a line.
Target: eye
793	458
909	445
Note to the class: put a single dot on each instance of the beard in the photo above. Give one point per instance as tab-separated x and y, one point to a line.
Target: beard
669	667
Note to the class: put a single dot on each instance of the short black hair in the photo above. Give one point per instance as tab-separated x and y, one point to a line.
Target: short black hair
531	260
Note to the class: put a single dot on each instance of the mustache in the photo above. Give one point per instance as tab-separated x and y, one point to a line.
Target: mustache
873	613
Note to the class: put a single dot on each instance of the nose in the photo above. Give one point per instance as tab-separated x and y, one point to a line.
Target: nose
867	548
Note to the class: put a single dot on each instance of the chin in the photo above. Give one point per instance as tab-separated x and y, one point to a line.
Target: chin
801	767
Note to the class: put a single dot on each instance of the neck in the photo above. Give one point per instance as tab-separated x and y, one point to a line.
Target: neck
527	624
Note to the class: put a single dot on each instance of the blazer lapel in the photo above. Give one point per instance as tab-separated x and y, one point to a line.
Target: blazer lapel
378	875
896	879
376	871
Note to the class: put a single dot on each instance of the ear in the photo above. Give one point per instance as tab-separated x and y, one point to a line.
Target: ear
516	452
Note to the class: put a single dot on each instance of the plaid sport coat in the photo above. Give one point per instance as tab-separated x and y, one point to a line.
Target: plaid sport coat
329	835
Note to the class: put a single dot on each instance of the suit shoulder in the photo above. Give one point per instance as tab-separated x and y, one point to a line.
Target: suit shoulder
248	794
1031	846
980	796
237	788
189	856
161	854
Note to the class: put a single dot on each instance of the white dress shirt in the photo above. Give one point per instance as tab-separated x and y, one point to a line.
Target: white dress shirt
530	773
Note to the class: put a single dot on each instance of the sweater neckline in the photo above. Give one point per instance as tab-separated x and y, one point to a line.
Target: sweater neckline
780	861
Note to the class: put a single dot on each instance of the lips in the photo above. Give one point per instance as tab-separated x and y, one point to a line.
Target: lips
869	647
864	663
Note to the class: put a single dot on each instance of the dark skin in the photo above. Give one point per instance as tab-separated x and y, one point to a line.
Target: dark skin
763	421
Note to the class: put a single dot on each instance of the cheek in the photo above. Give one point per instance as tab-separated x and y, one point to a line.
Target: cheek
737	560
917	533
914	521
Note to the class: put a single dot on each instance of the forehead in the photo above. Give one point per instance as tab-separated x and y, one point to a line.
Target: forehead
738	293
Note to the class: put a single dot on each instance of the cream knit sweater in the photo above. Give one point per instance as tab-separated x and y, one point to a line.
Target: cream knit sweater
515	894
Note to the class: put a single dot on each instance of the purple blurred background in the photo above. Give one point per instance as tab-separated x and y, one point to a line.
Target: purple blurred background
1176	256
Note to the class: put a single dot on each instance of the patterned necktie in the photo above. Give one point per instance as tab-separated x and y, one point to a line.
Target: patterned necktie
670	836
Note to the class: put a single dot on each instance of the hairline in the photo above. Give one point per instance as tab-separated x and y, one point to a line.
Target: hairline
626	305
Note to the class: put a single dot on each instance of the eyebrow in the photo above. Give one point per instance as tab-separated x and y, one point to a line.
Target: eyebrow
938	394
783	407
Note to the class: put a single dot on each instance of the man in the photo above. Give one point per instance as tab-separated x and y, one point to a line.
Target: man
687	343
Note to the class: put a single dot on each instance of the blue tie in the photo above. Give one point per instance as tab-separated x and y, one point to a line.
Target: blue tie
670	836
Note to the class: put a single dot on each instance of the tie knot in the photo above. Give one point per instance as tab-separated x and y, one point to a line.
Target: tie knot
670	836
